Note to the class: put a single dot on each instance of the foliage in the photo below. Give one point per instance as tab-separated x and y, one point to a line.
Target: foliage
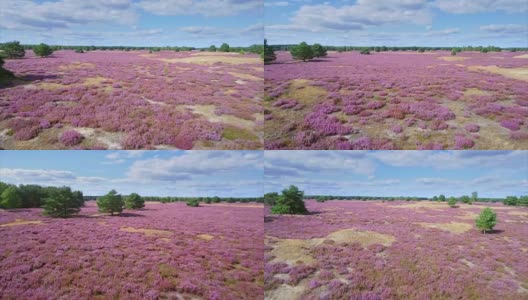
486	220
302	51
452	201
271	198
224	47
290	202
12	50
442	198
268	54
134	201
61	202
111	203
318	50
511	200
465	199
10	198
364	51
193	202
4	74
42	50
474	197
212	48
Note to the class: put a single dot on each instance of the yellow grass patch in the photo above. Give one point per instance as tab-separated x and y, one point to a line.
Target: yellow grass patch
305	93
514	73
76	65
98	80
453	58
20	222
51	86
453	227
475	92
365	238
518	213
212	59
206	237
468	216
245	76
147	232
525	56
208	111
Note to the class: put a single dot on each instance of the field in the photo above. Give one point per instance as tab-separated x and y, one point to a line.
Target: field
398	100
395	250
169	251
133	100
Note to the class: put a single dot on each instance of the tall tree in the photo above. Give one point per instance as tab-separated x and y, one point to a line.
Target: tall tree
302	51
13	50
134	201
269	54
224	47
290	202
319	51
111	203
10	197
42	50
61	202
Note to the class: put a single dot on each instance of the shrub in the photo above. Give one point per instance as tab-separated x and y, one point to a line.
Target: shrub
13	50
465	199
134	201
61	202
318	50
71	138
10	198
271	198
290	202
452	201
224	47
365	51
193	202
510	200
269	54
42	50
110	203
442	198
302	51
486	220
3	72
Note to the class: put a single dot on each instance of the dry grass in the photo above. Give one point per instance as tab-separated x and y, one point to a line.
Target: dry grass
98	80
208	111
147	232
301	91
453	227
453	58
514	73
215	54
206	237
421	204
20	222
51	86
468	216
525	56
475	92
285	291
76	65
365	238
245	76
213	59
518	213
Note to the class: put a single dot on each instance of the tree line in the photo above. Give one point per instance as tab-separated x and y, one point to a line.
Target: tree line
288	47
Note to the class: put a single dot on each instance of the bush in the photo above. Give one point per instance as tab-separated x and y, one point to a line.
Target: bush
224	47
365	51
290	202
510	200
486	220
79	50
13	50
61	202
302	51
3	72
271	198
71	138
319	51
452	201
42	50
193	202
134	201
10	198
442	198
110	203
268	54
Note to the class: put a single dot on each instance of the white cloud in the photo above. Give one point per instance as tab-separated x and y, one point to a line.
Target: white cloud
36	175
445	32
477	6
203	7
505	28
276	3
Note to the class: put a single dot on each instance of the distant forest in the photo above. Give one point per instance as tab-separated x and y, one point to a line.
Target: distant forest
407	48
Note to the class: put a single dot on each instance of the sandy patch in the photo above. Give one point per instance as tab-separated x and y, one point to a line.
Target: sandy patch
147	232
475	92
245	76
98	80
206	237
365	238
514	73
453	58
76	65
453	227
51	86
285	291
301	90
213	59
20	222
525	56
518	213
112	140
208	111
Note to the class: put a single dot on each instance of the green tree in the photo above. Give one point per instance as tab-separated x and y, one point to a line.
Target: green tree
10	197
224	47
442	198
61	203
4	74
212	48
452	201
364	51
510	200
193	202
474	197
290	202
465	199
216	199
269	54
319	51
523	201
13	50
302	51
31	195
453	52
435	198
208	200
79	197
111	203
271	198
486	220
134	201
42	50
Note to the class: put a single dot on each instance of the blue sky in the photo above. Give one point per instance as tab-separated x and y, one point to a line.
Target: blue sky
398	173
501	23
133	22
154	173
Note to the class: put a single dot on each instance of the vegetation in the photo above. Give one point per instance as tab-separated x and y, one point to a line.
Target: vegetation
486	220
290	202
30	196
516	201
442	198
111	203
268	54
12	50
134	201
452	201
42	50
10	198
212	48
364	51
224	47
193	202
62	202
318	50
4	74
302	51
271	198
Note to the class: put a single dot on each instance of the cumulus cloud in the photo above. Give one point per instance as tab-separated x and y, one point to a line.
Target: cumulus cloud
473	6
203	7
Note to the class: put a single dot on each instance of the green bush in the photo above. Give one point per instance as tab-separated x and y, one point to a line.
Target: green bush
486	220
224	47
193	202
134	201
510	200
268	54
365	51
42	50
290	202
13	50
302	51
111	203
452	201
319	51
271	198
11	198
61	202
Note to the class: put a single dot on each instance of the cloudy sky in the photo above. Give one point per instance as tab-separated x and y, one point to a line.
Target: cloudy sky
133	22
398	22
153	173
398	173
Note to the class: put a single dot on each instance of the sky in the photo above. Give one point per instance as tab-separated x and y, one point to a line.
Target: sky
148	173
502	23
398	173
132	22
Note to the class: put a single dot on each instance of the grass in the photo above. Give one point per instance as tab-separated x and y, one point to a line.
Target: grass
453	227
20	222
235	133
147	232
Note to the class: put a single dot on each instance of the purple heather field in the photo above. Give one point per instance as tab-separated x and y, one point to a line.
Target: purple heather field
164	251
395	250
133	100
397	100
